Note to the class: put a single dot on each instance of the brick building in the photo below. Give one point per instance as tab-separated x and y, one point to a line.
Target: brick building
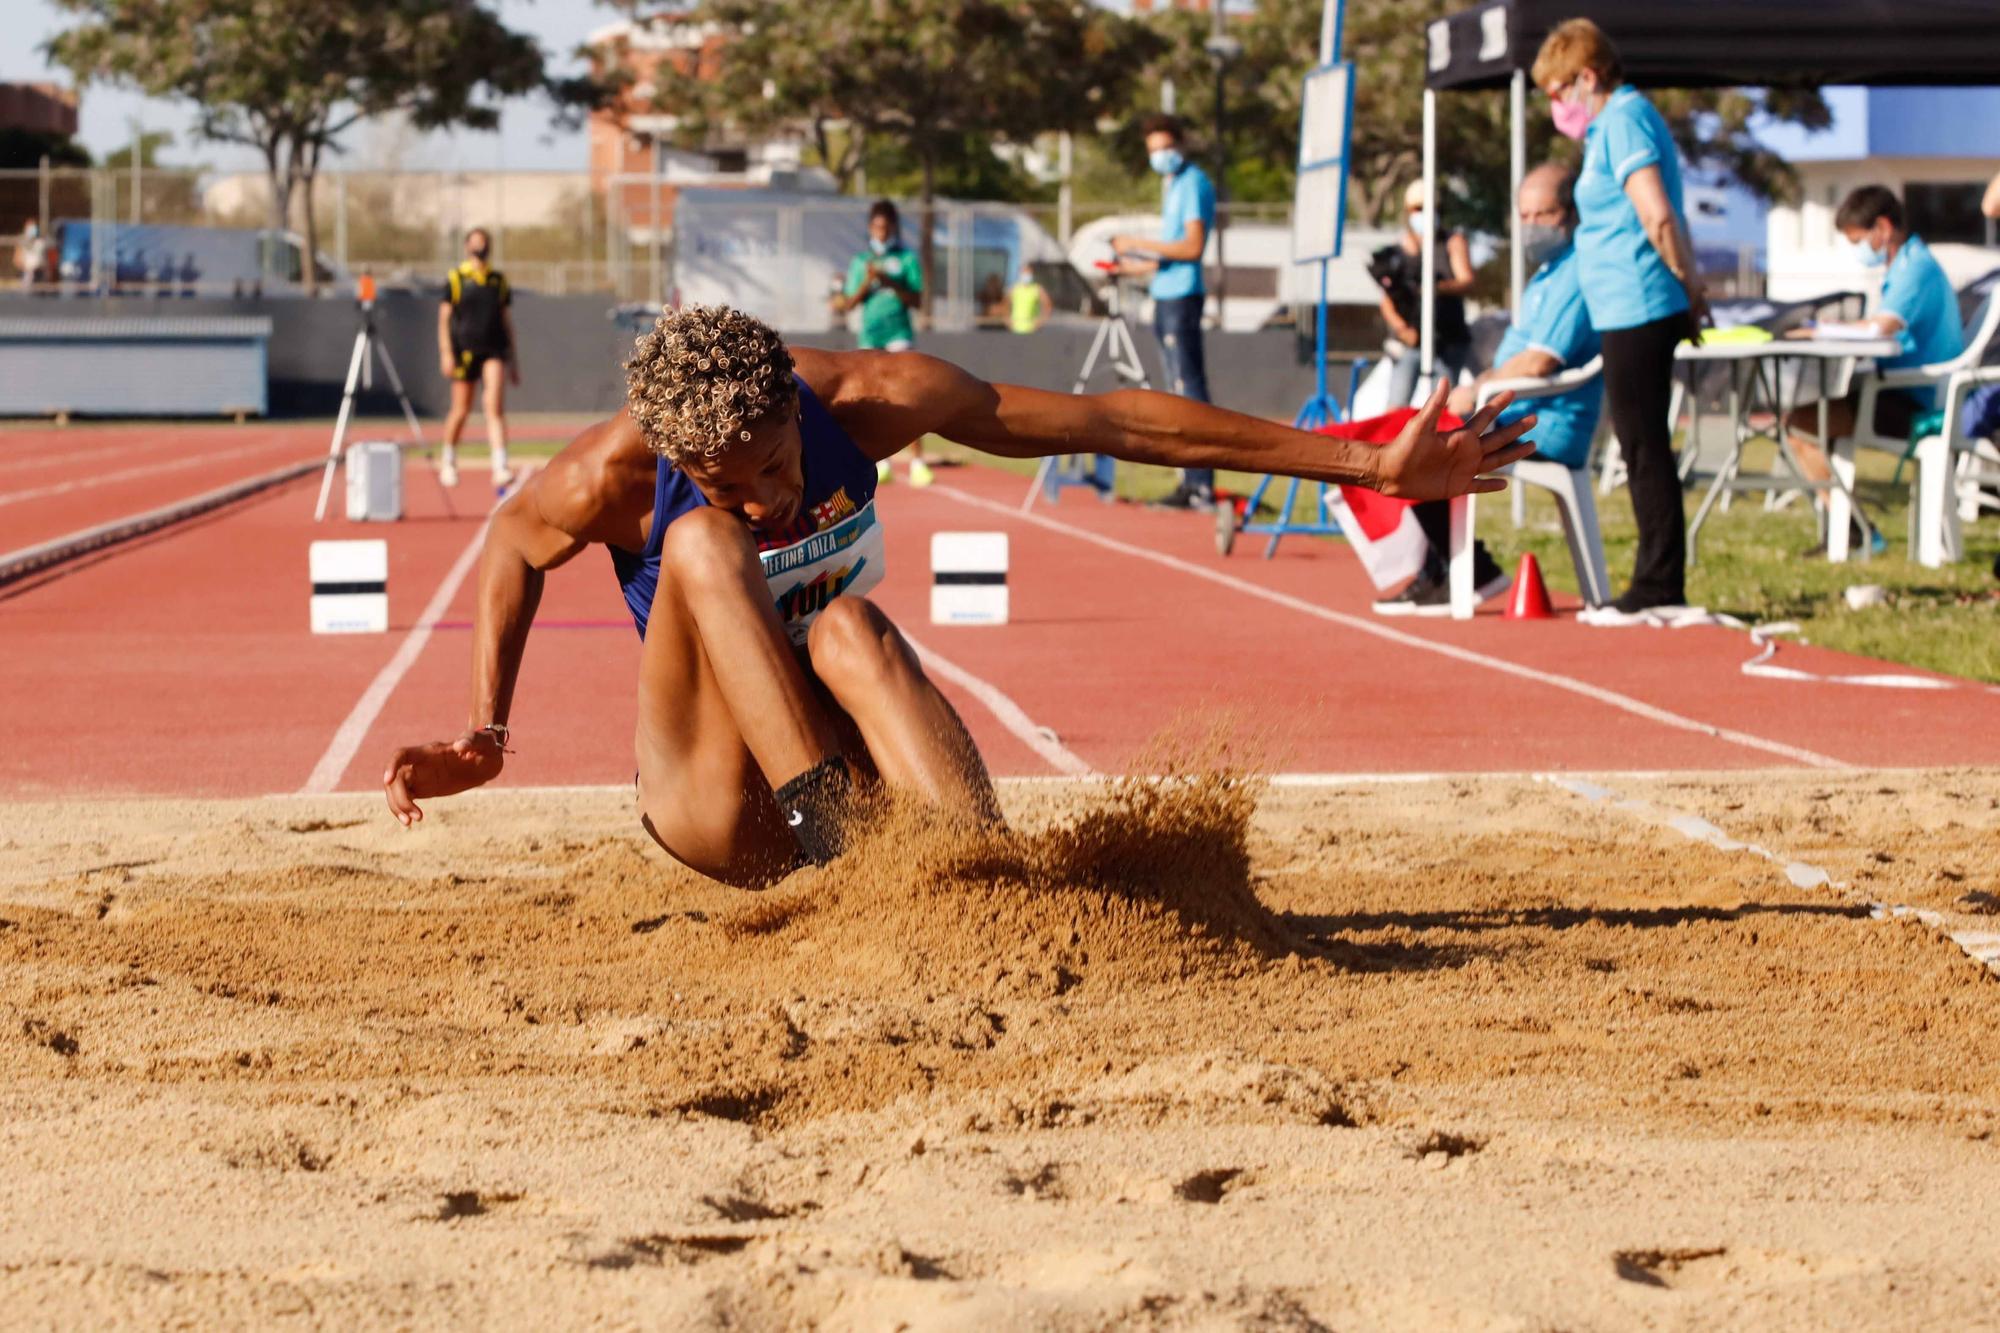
44	108
637	161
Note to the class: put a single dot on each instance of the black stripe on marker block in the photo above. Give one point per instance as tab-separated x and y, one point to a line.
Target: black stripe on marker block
347	589
948	578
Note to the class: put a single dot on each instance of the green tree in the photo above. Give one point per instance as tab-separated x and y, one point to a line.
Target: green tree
934	82
1386	41
23	150
168	194
289	77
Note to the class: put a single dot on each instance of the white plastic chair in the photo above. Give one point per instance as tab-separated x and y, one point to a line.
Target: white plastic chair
1571	487
1952	469
1938	375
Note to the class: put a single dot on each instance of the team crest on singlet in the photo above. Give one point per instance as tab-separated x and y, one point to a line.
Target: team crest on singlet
843	554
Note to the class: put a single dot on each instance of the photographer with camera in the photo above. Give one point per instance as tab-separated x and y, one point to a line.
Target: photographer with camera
1399	270
1173	262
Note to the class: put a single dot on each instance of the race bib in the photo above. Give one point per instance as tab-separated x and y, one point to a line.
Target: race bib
846	556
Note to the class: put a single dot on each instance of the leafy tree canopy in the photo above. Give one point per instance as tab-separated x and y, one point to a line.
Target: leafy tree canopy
1385	39
289	77
23	149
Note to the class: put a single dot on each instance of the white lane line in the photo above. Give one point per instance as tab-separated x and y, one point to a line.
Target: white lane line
146	470
1304	780
40	461
326	774
1624	702
1010	715
1981	946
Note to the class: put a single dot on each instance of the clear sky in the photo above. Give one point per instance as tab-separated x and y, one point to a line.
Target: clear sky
524	141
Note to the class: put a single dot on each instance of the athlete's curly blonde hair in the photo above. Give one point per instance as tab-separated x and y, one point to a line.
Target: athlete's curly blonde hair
703	376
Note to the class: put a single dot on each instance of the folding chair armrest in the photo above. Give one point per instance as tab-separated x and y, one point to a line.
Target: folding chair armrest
1542	386
1956	390
1971	375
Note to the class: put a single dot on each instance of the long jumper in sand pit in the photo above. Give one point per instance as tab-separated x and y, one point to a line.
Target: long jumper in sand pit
736	491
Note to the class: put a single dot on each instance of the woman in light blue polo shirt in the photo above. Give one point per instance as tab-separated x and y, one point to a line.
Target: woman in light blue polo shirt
1918	309
1636	267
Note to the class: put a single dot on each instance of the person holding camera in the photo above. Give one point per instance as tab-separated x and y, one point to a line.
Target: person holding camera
887	282
1399	270
1173	262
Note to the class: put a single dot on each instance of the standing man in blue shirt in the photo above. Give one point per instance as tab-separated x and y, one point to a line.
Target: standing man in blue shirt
1551	332
1918	309
1187	219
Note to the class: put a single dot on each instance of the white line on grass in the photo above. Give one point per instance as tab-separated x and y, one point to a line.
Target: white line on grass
332	765
1601	695
1009	714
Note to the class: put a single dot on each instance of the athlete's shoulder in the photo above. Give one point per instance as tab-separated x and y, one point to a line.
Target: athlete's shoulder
864	384
832	375
604	472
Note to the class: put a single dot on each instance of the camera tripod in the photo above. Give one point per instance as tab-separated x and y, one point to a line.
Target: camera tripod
1114	342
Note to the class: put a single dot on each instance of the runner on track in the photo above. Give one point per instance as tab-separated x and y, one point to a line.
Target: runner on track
736	494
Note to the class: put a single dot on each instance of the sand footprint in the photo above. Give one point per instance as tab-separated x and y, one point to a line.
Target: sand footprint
1660	1268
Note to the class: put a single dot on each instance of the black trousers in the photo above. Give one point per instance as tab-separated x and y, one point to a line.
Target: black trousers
1434	517
1638	388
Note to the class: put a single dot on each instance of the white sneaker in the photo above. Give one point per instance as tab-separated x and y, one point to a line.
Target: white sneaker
503	477
448	472
884	474
920	473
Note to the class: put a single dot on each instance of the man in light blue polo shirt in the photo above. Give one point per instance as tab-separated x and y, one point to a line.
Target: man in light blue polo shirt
1187	219
1551	333
1918	309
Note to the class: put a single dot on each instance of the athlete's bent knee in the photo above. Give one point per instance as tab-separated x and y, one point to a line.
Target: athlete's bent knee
706	547
853	645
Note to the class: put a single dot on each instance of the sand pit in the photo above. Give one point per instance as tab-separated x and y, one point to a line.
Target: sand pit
1473	1053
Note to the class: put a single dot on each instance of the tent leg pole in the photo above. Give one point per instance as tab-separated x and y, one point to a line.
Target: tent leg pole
1517	152
1429	312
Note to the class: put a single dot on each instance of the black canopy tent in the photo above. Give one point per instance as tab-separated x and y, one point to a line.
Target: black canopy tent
1727	43
1704	44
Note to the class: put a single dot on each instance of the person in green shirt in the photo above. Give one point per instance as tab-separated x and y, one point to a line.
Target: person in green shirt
887	282
1027	302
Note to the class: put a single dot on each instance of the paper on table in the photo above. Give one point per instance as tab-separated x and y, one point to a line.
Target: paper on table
1852	333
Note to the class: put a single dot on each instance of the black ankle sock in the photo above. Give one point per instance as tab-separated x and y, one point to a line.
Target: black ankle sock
814	805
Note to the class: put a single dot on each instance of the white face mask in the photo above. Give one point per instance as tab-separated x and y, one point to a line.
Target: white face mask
1864	253
1166	161
1417	221
878	245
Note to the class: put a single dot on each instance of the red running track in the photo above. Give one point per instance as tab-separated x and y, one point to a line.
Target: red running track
181	664
59	481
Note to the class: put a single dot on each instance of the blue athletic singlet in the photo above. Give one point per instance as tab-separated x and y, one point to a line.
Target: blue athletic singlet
834	546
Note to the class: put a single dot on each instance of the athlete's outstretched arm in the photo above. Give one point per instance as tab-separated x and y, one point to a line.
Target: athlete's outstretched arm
521	544
901	398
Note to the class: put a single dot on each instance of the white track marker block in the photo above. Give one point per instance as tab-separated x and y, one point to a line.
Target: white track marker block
968	578
350	587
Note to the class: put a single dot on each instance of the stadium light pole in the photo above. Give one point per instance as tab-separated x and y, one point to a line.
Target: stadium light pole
1222	50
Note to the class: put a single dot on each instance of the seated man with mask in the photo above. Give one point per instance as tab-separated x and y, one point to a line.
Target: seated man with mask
1551	333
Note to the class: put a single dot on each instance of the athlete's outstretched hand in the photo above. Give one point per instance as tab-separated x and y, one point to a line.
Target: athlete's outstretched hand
1425	463
441	768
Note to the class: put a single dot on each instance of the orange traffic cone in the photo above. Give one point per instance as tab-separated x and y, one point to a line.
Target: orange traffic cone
1531	595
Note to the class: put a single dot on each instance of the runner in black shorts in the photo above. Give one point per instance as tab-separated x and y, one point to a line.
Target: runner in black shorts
476	346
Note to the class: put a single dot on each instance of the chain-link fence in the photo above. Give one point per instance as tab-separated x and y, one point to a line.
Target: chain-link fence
642	239
215	234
